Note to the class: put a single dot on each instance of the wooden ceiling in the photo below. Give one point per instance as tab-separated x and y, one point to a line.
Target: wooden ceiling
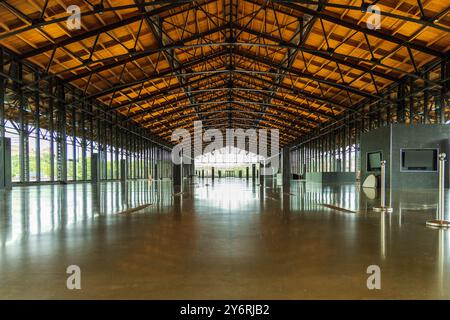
292	65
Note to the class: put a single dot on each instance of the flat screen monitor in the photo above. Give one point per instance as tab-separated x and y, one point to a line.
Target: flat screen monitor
374	161
419	159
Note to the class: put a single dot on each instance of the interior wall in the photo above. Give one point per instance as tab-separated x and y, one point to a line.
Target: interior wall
372	141
418	136
391	139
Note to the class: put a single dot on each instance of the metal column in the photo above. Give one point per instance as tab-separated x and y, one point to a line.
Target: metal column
61	134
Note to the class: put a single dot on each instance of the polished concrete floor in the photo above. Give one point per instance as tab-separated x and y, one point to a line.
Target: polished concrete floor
227	239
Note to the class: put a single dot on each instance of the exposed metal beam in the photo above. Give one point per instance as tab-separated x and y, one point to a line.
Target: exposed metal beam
139	55
327	55
166	104
156	28
374	33
156	75
423	20
244	73
85	35
162	92
214	103
167	132
301	121
236	122
161	108
293	90
247	110
260	92
310	76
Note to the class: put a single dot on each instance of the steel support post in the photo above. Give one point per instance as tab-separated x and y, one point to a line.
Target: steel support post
145	158
328	158
316	155
74	140
37	128
357	142
445	73
135	162
99	149
103	156
91	130
121	154
310	156
138	157
105	150
130	149
362	122
111	151
150	159
2	99
333	150
323	159
426	100
23	127
401	103
370	122
83	142
132	158
379	115
5	143
349	143
157	168
388	110
141	158
286	168
411	100
117	145
155	161
51	129
344	145
62	137
2	121
127	148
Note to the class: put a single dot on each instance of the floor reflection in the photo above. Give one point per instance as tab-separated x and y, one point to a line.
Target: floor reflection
229	194
28	211
222	239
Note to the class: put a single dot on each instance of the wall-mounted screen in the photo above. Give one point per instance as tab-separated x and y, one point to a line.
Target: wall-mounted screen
374	161
419	159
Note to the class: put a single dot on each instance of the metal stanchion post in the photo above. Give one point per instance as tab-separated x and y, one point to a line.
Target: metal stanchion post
383	207
440	219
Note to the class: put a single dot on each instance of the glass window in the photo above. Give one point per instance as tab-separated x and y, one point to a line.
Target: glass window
11	133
